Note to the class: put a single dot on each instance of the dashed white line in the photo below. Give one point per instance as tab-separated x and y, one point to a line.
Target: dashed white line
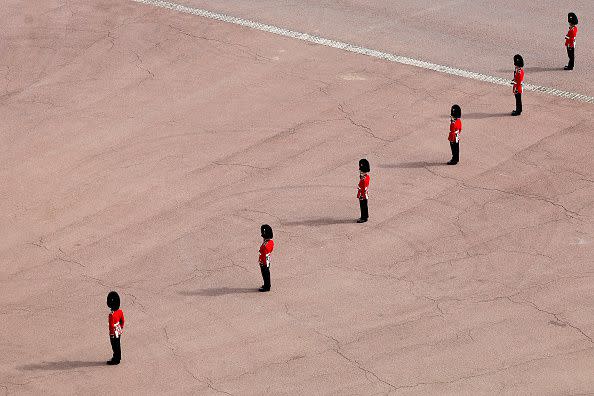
362	50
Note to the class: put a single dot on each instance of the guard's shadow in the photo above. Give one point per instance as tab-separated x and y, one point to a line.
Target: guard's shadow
63	365
417	164
218	291
319	222
480	116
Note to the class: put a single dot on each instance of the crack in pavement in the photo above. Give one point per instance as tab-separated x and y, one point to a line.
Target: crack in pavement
62	256
372	274
489	372
244	48
426	167
353	361
570	213
263	367
187	279
178	358
450	338
411	286
290	131
208	382
40	243
238	164
558	320
365	128
515	231
288	313
463	184
138	64
554	170
234	264
40	101
469	334
585	275
135	302
71	261
436	302
537	254
28	309
96	280
371	334
111	39
554	315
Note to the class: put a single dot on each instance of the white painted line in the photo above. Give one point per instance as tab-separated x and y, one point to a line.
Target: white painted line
362	50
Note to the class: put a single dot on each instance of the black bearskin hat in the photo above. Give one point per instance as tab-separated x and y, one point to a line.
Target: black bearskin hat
364	165
456	111
518	60
266	231
113	301
572	18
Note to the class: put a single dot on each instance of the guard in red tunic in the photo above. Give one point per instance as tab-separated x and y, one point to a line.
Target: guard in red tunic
570	39
264	259
116	327
454	135
362	189
518	83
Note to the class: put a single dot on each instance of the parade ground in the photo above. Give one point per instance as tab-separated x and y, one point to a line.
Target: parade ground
144	143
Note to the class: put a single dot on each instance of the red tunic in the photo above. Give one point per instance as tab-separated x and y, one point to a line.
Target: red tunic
265	249
362	190
116	323
518	80
570	38
455	129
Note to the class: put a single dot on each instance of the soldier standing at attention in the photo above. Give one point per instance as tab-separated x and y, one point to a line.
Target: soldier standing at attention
116	327
362	189
518	83
454	135
264	259
570	39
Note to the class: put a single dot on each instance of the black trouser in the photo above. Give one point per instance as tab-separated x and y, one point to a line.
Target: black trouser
117	350
265	275
518	103
455	151
571	55
364	210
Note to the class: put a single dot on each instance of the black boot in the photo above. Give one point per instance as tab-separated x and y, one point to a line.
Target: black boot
455	146
266	277
364	211
518	109
571	55
117	351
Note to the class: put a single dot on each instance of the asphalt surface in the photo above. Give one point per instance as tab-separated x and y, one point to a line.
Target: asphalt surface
143	148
